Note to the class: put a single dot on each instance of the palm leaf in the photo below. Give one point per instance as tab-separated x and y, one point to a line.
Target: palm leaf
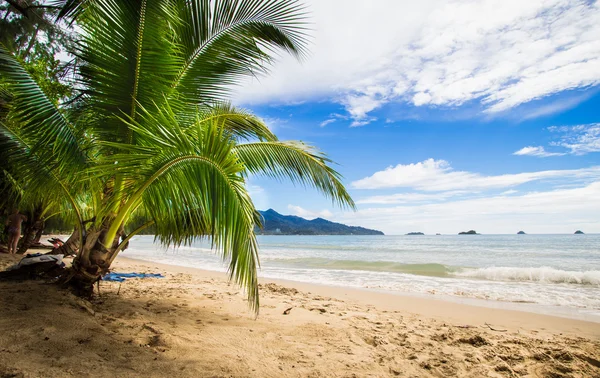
121	54
45	127
35	176
295	161
190	184
222	41
68	8
240	123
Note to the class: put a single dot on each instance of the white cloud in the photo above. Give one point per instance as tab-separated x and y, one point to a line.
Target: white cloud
554	107
509	192
304	213
536	151
581	139
553	211
438	175
502	53
359	107
411	198
421	99
327	122
362	121
576	140
274	123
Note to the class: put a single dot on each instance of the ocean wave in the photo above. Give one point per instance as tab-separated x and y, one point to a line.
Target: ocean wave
507	274
540	274
434	270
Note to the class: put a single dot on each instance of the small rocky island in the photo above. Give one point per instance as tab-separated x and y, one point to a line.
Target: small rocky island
579	232
521	233
415	233
470	232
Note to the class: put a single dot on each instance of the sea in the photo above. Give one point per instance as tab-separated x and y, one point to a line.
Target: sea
548	274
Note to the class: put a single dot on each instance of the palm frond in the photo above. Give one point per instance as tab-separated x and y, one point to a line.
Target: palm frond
11	191
69	9
298	162
190	184
224	40
122	51
39	119
35	176
240	123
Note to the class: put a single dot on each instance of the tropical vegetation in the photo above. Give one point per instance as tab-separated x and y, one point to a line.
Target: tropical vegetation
30	32
148	133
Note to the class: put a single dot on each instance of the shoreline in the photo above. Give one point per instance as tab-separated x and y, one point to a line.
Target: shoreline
193	323
508	275
441	309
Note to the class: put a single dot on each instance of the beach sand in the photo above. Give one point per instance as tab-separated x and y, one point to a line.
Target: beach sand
194	324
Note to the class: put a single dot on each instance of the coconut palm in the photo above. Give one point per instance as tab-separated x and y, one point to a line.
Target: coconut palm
152	132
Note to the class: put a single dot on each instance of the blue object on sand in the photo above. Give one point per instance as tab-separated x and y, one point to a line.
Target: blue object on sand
120	277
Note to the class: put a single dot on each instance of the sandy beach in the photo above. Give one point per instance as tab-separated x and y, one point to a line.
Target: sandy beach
192	323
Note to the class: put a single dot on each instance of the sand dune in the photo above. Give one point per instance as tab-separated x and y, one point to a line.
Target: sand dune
194	324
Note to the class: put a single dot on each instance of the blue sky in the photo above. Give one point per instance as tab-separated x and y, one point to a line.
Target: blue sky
445	116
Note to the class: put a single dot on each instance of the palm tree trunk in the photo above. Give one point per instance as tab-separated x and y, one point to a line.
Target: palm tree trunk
91	262
35	225
70	247
39	233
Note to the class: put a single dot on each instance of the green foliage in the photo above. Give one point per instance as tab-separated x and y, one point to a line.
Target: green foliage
152	139
36	39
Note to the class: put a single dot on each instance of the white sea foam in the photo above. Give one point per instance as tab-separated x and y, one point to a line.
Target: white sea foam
540	274
562	271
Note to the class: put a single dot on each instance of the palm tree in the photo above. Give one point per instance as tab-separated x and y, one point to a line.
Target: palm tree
23	24
152	133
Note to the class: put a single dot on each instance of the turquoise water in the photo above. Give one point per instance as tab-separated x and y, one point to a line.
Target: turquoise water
560	271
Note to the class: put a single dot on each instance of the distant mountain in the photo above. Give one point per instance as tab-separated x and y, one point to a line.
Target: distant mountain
278	224
415	233
578	232
521	233
470	232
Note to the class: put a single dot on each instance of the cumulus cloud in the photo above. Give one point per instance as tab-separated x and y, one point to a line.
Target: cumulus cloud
501	53
438	175
309	214
536	151
359	106
553	211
